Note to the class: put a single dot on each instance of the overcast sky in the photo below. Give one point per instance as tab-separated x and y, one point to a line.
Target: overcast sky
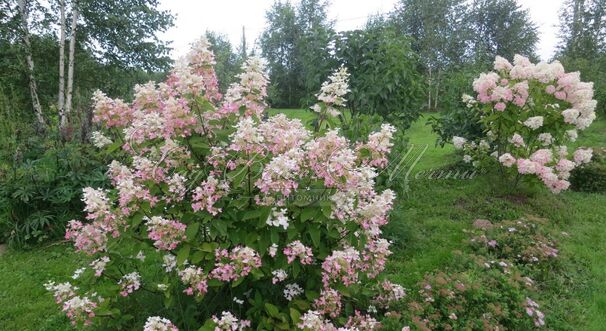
193	17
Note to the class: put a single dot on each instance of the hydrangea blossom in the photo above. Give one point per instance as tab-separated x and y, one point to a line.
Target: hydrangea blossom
195	279
129	283
99	265
157	323
228	322
296	250
233	265
100	140
332	93
292	290
220	168
530	110
166	234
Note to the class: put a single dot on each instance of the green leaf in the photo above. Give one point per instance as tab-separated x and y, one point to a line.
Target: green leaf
308	214
183	254
220	226
136	220
295	315
272	310
192	230
314	232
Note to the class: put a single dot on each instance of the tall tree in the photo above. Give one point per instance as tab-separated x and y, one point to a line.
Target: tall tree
61	98
70	70
24	14
227	61
278	45
501	27
296	45
440	35
312	48
582	28
121	33
385	74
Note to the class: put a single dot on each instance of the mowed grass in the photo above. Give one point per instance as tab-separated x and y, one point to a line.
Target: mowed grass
426	226
429	220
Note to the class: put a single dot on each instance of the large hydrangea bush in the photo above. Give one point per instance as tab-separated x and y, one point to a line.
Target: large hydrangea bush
221	218
530	113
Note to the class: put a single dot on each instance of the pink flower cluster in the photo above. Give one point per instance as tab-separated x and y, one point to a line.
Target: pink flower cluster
250	92
192	151
231	266
166	234
329	303
229	322
389	293
532	309
208	193
545	108
378	147
78	309
195	279
341	267
313	320
113	113
296	250
553	170
129	283
332	93
87	238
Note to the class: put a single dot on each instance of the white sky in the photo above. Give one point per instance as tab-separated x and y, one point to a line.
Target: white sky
193	17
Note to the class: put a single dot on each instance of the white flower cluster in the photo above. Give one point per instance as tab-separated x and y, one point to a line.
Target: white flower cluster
156	323
278	218
99	140
292	290
534	122
333	91
279	276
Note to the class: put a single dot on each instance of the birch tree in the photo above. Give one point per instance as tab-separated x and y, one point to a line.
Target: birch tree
24	13
70	68
61	97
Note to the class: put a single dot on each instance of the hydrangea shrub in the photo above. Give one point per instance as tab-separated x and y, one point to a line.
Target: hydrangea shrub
222	219
530	112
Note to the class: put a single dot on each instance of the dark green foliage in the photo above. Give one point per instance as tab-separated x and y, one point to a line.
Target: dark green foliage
591	177
296	46
41	192
227	61
459	121
124	33
501	27
385	78
582	46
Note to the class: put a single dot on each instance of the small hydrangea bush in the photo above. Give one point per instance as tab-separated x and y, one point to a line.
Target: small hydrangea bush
489	288
473	299
222	219
530	111
522	242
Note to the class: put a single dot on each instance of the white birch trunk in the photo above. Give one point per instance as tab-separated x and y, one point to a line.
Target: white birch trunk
70	66
30	66
61	101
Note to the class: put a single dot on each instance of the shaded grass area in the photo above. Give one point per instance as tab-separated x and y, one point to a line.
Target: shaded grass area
426	227
24	303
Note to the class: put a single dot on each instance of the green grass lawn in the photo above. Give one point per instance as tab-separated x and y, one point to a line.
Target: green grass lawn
426	226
